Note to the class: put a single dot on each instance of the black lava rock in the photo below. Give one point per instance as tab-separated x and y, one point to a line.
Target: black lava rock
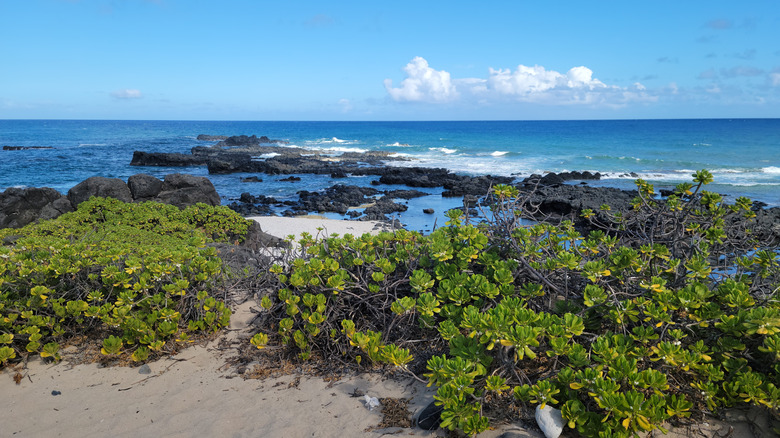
430	417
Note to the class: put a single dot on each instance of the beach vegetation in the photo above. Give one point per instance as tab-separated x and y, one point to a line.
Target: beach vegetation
626	321
141	277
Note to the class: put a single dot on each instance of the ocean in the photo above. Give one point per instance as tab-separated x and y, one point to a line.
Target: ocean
743	154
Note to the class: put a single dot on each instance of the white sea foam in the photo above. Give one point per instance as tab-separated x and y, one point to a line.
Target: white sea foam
343	149
331	140
774	170
499	153
443	150
751	184
472	165
399	145
335	140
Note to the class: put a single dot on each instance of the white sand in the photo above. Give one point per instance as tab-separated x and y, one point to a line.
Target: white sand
195	394
316	226
191	394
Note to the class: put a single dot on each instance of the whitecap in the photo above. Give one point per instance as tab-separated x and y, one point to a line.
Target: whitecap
443	150
330	141
343	149
750	184
726	170
774	170
499	153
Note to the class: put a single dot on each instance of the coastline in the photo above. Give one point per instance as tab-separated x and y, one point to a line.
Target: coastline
557	197
741	153
199	390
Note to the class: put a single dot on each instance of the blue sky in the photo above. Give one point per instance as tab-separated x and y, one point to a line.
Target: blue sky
399	60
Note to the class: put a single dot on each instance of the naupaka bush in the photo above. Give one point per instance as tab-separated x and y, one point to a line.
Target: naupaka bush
656	314
140	275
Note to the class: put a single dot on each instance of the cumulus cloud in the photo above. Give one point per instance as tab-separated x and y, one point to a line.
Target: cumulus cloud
127	93
535	81
422	84
524	84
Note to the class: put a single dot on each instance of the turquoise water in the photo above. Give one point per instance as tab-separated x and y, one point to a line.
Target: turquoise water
744	154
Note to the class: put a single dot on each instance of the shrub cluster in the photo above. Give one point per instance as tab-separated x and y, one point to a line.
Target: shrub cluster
656	314
138	275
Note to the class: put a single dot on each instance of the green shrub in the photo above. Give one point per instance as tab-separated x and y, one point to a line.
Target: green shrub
657	314
140	274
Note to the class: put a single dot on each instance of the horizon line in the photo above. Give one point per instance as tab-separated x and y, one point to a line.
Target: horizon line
389	121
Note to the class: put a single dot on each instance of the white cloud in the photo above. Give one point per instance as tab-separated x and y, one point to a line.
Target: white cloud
422	84
775	78
525	84
536	83
127	93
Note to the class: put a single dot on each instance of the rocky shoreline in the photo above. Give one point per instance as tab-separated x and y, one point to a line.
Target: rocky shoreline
252	154
556	196
21	206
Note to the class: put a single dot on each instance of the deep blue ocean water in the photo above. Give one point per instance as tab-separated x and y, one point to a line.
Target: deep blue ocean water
743	154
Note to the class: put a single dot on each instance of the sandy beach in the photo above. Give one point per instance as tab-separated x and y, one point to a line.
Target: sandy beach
317	226
196	393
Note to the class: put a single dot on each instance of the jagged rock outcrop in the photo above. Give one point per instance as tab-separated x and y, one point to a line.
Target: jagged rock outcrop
19	207
22	206
243	140
99	186
230	163
416	176
167	159
24	148
342	199
206	137
144	187
567	201
553	178
337	199
184	190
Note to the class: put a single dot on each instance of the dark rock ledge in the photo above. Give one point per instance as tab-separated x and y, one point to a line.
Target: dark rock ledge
552	194
21	206
24	148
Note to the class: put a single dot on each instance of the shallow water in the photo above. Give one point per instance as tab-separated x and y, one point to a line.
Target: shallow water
743	154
